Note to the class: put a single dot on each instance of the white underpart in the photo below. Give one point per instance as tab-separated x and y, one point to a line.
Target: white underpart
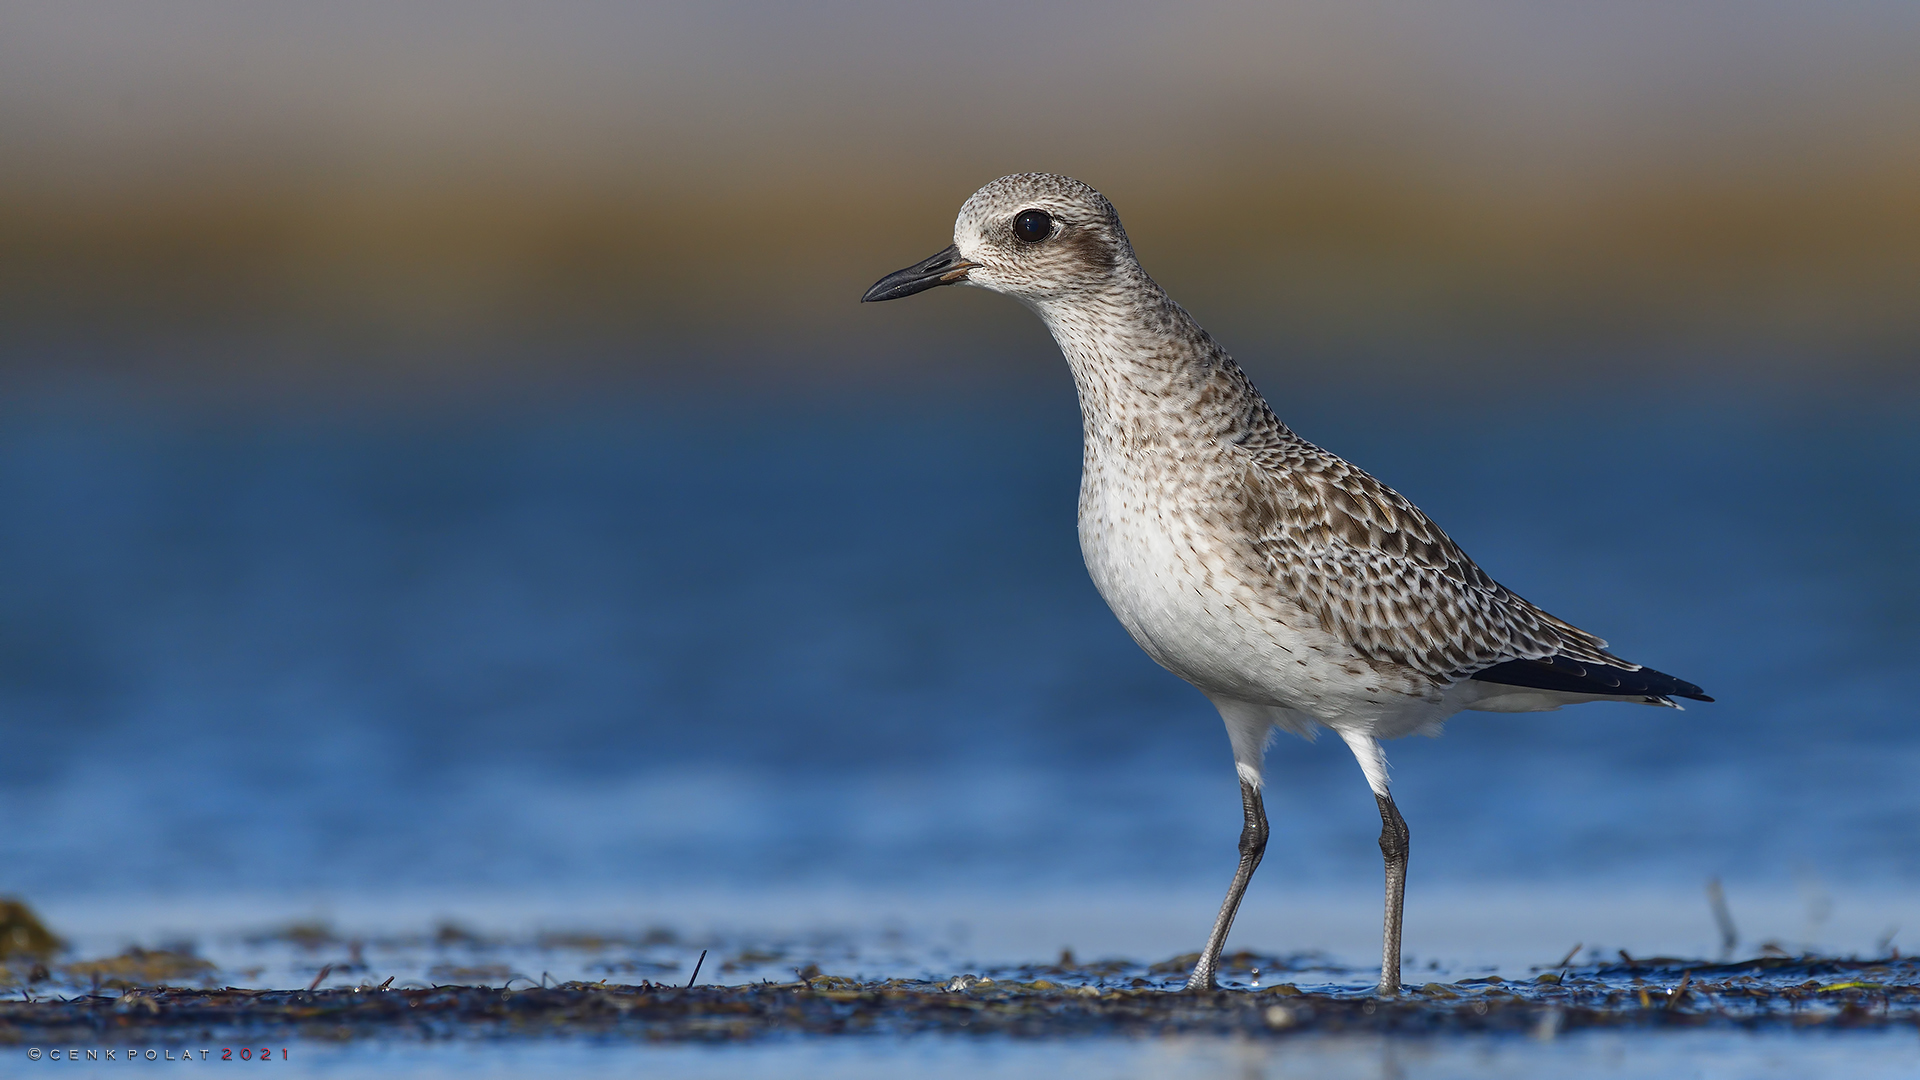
1250	728
1372	759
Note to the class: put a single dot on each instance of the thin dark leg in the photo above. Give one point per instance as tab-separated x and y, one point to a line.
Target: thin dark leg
1253	844
1394	847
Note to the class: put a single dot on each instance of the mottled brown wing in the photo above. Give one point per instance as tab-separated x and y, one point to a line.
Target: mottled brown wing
1383	577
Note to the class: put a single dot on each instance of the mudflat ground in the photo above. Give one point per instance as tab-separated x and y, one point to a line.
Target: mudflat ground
1267	997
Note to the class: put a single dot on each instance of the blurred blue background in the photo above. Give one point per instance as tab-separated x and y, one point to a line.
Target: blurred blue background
440	449
849	638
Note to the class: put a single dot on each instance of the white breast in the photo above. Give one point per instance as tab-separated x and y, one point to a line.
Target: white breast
1181	581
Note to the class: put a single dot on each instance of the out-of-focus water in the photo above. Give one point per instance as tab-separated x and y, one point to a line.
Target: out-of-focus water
678	645
1697	1055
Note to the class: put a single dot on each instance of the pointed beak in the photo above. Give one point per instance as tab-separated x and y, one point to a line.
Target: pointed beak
946	268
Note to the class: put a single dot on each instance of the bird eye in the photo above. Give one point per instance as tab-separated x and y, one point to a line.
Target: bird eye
1033	226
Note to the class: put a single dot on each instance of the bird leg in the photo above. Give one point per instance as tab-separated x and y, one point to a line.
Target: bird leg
1253	844
1393	847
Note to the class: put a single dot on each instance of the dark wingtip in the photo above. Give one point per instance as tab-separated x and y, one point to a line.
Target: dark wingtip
1582	677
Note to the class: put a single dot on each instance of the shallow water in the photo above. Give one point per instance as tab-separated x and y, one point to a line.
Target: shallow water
1703	1055
1696	1055
769	665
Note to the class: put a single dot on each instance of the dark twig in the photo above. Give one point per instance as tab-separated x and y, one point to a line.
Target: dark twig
324	972
696	968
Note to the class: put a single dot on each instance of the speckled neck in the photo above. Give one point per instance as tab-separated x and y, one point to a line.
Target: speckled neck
1135	352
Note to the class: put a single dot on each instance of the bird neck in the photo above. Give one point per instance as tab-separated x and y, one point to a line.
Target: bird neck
1134	352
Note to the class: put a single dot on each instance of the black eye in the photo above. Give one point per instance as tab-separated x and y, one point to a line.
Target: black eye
1033	226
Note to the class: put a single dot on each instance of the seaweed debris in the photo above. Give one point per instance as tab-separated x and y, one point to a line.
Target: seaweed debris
22	934
1791	993
138	968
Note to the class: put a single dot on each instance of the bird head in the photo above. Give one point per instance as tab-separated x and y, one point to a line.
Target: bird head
1036	237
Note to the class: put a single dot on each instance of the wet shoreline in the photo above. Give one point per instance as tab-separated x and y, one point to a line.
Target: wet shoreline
1777	994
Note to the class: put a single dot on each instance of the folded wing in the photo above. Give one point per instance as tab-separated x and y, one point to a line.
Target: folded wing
1382	576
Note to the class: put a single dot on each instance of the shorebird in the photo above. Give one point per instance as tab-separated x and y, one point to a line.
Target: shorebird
1291	588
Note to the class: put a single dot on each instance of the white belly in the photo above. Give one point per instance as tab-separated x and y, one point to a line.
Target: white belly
1191	592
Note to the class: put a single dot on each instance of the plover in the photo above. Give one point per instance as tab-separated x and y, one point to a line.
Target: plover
1293	589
